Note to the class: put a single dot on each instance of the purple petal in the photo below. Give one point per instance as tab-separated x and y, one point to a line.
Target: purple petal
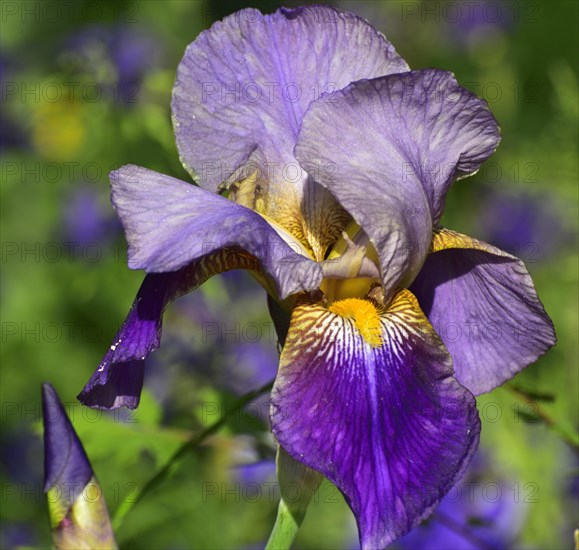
244	85
388	149
65	462
169	223
387	424
119	378
483	304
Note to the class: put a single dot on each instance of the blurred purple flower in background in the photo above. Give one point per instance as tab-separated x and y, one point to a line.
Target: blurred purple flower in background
479	513
208	347
87	218
260	471
469	17
524	224
11	133
21	475
17	535
115	56
250	365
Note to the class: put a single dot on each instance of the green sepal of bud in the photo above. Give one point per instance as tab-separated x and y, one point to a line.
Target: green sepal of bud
84	525
297	484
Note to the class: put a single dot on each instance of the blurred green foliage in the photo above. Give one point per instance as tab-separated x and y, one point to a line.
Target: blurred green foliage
62	303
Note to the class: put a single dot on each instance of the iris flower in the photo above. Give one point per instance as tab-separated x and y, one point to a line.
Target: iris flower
322	163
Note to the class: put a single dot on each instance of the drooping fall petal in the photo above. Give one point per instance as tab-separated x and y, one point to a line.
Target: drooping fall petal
483	304
118	380
367	397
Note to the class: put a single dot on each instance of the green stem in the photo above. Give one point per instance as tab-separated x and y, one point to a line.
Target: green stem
189	445
570	440
285	529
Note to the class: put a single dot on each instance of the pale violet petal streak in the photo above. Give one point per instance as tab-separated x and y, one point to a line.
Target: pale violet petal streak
388	425
169	223
244	85
388	149
483	304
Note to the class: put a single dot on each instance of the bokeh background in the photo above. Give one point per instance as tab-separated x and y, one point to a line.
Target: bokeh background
85	88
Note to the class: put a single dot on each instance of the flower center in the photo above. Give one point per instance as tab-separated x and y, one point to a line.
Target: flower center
365	315
305	211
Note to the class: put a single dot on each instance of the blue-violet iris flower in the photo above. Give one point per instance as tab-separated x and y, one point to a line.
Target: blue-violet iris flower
322	163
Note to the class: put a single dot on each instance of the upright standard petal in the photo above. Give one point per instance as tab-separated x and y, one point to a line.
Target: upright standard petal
367	398
169	223
78	514
483	304
118	380
244	85
389	149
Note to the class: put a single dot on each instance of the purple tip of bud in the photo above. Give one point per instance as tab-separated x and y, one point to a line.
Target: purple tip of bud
65	461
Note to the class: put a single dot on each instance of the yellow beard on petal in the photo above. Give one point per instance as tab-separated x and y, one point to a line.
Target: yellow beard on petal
365	315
